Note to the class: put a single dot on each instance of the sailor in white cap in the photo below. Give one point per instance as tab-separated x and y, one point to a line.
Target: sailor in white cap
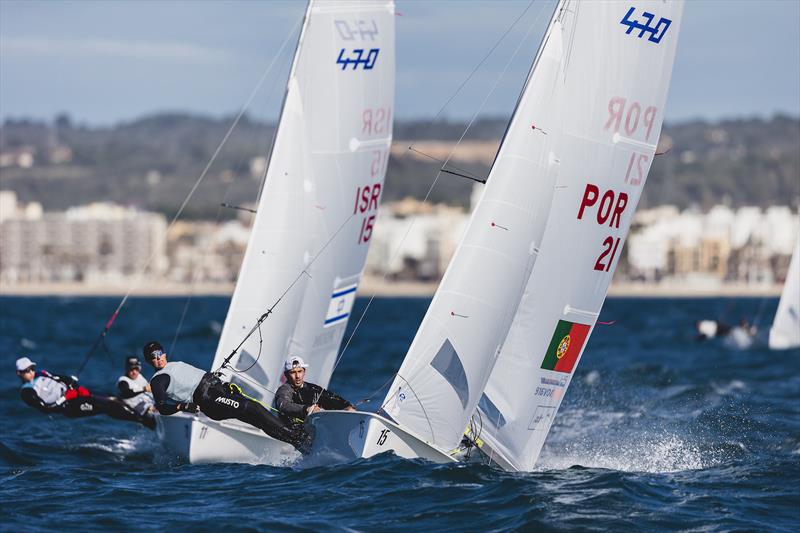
297	398
51	393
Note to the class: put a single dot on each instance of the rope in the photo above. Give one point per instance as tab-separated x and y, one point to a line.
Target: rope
263	317
481	62
449	155
146	265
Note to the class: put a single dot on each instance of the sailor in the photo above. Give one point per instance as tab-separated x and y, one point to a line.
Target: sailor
297	399
51	393
134	390
178	386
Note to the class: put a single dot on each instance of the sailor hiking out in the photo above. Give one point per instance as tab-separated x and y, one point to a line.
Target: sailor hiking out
296	399
178	386
54	394
133	388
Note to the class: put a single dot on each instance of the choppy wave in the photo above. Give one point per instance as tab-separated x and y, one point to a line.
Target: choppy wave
656	432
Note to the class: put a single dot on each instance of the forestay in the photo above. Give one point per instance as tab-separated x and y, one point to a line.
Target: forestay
785	331
321	195
449	361
614	66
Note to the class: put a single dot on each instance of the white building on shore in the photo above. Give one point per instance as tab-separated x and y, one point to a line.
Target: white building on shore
97	243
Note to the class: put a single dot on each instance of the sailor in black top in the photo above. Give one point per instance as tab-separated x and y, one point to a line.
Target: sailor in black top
178	386
51	393
297	399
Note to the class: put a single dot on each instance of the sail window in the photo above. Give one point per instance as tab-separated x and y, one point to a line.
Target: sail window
448	364
491	411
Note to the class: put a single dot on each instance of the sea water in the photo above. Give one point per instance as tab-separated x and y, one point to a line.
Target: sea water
657	432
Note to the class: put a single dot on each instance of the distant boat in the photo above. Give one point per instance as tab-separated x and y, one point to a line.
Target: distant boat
512	315
316	214
785	330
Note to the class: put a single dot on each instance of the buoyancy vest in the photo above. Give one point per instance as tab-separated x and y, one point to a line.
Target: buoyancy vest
47	388
183	380
137	385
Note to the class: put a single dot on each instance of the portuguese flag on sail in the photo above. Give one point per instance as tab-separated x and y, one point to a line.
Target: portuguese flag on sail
565	346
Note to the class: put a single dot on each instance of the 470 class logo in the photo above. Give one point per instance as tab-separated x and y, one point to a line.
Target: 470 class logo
358	56
656	31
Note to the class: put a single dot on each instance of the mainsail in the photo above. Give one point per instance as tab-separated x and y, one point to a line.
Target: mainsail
320	198
604	119
785	330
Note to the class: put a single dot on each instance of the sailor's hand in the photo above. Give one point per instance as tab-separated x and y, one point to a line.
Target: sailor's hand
61	400
349	408
147	388
314	409
189	407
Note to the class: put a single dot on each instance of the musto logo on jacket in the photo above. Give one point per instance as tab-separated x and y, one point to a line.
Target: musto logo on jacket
228	401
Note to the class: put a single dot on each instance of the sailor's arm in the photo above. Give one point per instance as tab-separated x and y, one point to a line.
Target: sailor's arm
30	397
329	400
284	403
127	391
164	404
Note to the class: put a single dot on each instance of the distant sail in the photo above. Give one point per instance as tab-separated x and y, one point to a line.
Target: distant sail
785	330
321	195
603	120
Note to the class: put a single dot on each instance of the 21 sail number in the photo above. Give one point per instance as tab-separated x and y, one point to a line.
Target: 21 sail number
608	209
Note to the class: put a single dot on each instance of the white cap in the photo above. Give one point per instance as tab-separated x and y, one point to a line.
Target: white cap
294	362
23	363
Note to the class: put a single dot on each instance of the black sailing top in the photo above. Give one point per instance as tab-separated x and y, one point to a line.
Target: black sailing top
294	403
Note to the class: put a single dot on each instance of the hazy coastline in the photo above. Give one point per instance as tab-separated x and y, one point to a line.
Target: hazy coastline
378	287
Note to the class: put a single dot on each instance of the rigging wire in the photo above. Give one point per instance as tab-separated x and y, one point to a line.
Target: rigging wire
447	159
269	311
146	265
478	66
197	273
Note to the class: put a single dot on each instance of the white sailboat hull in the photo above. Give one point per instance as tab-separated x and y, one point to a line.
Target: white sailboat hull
198	440
348	435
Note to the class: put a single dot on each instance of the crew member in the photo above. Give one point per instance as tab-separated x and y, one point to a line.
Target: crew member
134	390
178	386
50	393
297	399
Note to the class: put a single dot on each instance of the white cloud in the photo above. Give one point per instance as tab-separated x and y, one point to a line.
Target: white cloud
150	51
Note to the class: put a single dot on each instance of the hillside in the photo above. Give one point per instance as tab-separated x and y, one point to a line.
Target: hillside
154	161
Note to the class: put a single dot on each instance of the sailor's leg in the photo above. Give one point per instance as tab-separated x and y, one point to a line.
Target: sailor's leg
257	415
82	406
223	401
117	409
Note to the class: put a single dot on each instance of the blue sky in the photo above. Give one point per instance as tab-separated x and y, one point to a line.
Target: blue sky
105	62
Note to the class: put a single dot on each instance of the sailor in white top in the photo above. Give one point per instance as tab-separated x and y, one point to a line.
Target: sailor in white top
134	390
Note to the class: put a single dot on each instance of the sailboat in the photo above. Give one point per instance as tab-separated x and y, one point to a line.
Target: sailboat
313	223
785	330
515	308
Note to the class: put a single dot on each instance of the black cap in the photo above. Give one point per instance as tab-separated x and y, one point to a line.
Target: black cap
152	349
132	362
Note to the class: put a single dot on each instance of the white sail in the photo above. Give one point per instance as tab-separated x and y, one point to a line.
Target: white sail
447	366
785	330
614	72
320	198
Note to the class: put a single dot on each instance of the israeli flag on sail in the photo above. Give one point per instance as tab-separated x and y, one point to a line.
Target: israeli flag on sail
340	305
